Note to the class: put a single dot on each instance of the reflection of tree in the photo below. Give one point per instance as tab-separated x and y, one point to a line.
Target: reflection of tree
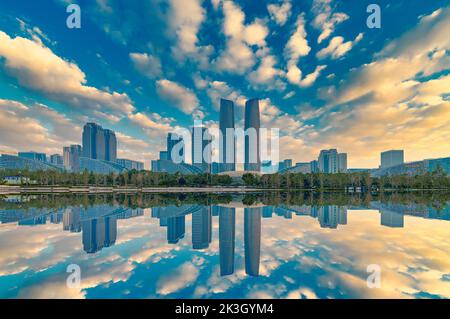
437	200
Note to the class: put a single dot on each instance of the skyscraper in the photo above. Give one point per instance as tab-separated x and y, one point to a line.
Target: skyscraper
252	126
227	156
201	153
330	162
110	146
99	143
172	143
392	158
89	140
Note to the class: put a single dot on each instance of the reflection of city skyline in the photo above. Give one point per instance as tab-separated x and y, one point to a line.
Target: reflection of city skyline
98	223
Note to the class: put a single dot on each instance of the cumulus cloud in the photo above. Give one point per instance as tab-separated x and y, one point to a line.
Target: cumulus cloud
238	55
185	19
326	19
146	64
36	126
337	47
181	97
280	12
36	67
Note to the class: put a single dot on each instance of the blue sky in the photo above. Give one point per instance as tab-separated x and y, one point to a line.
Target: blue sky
144	68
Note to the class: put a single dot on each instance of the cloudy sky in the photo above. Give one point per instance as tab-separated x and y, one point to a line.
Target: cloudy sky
143	68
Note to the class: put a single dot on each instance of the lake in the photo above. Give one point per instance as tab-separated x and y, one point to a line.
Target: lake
258	245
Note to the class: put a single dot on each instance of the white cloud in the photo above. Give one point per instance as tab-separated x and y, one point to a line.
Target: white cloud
297	45
326	19
182	98
35	126
146	64
36	67
238	55
185	19
280	13
337	48
266	71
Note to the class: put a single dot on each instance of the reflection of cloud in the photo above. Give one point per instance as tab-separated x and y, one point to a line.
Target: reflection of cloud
177	279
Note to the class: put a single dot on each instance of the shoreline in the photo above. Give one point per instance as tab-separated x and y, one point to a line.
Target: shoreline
16	190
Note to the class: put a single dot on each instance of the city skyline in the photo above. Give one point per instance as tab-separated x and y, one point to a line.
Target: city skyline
336	84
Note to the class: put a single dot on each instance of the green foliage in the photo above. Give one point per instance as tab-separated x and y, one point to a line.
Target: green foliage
438	179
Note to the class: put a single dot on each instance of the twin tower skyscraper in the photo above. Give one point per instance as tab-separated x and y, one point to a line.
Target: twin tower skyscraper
227	146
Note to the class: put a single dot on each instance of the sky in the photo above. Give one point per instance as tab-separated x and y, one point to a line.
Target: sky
144	68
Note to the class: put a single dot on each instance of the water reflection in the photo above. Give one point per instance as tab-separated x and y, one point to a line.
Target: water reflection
98	219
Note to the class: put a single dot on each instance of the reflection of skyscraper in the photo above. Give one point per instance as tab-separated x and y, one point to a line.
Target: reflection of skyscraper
391	219
227	218
201	228
252	240
252	126
227	156
331	216
98	233
71	220
175	229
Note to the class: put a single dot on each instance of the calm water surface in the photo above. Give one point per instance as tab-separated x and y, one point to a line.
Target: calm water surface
269	245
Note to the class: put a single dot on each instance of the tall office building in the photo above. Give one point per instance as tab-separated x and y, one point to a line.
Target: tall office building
252	126
330	162
227	155
201	228
392	158
201	151
42	157
252	240
227	229
99	143
176	155
71	157
110	146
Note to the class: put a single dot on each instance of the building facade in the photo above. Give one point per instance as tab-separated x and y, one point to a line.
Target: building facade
392	158
201	149
71	157
227	155
252	139
34	156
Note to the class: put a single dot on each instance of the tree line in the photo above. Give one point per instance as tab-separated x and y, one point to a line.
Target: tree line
312	181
